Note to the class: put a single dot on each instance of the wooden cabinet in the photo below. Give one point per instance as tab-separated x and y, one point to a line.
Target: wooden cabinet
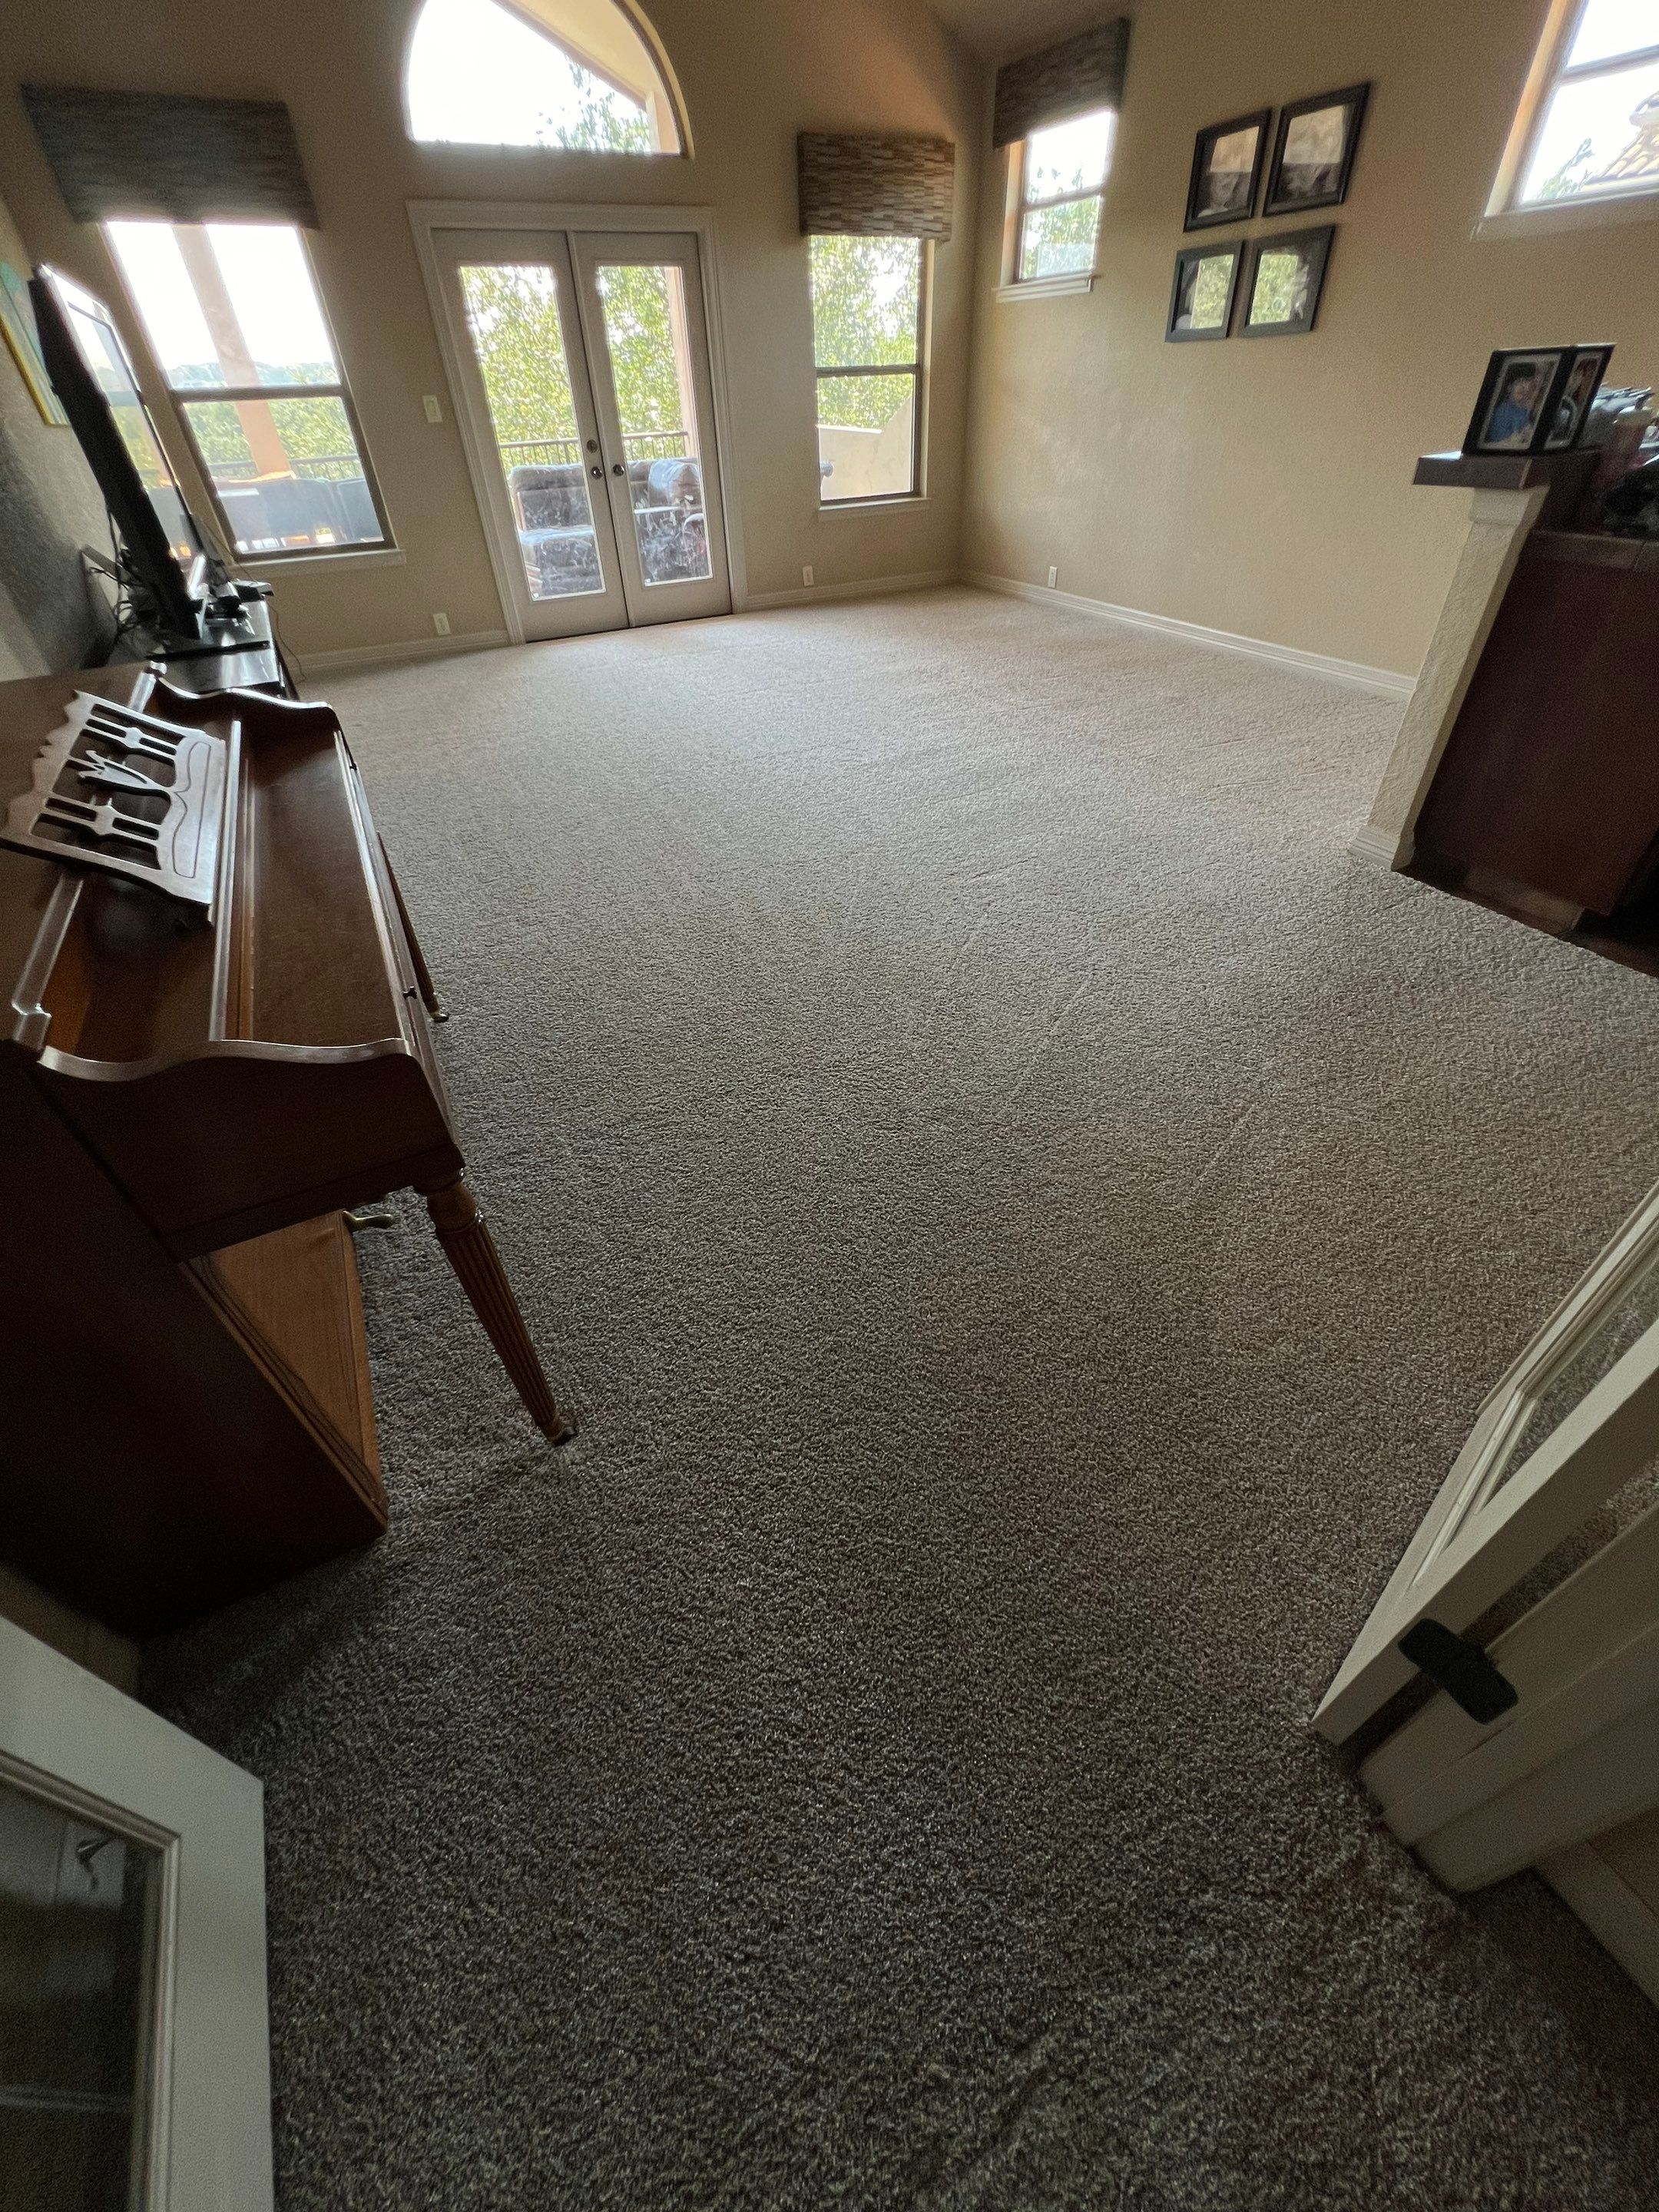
1550	778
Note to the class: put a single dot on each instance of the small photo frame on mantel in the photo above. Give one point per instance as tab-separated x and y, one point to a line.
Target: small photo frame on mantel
1313	151
1287	275
1564	421
1227	162
1206	286
1515	410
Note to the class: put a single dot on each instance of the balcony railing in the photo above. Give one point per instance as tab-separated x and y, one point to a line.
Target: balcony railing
554	452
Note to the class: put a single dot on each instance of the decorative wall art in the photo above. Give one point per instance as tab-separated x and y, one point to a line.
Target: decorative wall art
1226	170
1206	284
17	320
1314	150
1287	275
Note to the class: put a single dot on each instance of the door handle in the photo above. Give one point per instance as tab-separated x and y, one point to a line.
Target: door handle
616	467
596	470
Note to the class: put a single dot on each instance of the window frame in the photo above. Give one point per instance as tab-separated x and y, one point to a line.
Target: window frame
1013	283
1548	72
915	369
181	397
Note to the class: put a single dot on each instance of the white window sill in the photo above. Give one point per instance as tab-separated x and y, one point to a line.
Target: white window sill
1568	214
902	499
281	564
1048	287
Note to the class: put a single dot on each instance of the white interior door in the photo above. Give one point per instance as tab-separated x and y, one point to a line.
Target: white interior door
1571	1432
581	364
134	2068
641	303
510	302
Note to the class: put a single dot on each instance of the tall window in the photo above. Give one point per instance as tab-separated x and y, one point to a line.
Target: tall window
869	304
574	73
1588	126
237	329
1061	172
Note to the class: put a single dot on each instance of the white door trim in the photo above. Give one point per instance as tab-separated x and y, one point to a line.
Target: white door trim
426	216
77	1741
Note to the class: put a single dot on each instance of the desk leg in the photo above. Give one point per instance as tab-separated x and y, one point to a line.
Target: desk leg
470	1251
429	989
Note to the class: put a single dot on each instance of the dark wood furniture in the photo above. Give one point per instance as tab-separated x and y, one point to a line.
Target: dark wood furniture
1550	781
187	1103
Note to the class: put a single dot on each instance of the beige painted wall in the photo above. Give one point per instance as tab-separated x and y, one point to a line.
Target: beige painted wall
1263	486
50	616
753	75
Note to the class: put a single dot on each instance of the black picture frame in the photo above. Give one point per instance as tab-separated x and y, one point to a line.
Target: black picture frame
1189	256
1203	147
1313	249
1329	190
1539	372
1574	397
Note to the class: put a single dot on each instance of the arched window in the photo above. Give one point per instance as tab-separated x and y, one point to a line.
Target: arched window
577	73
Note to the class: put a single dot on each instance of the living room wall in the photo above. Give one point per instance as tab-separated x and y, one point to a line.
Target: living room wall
1263	486
50	616
753	77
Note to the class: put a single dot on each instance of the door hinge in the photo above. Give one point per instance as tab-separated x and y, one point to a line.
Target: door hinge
1461	1668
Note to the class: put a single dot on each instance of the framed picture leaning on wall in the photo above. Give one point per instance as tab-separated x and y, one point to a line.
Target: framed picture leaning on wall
1226	169
1206	284
1565	425
1287	275
1314	149
1516	406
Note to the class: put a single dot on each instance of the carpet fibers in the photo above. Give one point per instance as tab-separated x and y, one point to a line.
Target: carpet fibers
1025	1222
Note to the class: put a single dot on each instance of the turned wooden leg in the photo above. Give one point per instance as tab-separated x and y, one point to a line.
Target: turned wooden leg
429	989
470	1251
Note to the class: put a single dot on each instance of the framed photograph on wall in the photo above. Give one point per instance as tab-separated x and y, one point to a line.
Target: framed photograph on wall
1566	421
1517	406
1287	275
1314	149
18	321
1226	170
1206	285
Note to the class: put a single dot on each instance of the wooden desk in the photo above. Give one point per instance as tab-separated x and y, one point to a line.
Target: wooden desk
186	1103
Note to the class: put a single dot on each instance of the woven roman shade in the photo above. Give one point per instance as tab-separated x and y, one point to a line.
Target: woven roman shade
876	187
1068	79
172	155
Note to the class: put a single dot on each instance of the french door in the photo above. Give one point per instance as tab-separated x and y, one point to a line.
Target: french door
582	365
134	2069
1530	1598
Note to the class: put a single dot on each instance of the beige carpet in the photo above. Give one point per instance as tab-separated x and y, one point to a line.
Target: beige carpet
1026	1222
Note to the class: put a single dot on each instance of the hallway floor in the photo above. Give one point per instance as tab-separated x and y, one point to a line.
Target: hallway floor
1025	1222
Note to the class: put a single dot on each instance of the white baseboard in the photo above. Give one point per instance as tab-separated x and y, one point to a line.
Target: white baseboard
923	580
1621	1921
1378	847
1382	682
413	648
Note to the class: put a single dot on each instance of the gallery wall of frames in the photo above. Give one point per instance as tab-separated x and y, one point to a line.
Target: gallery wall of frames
1267	285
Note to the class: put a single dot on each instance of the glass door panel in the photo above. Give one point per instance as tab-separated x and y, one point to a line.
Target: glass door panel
513	317
643	307
528	406
79	1908
648	346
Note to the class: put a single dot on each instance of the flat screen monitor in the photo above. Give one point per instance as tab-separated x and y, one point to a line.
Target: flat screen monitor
94	378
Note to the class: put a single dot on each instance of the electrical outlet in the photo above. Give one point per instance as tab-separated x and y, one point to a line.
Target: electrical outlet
806	575
434	407
1054	578
441	624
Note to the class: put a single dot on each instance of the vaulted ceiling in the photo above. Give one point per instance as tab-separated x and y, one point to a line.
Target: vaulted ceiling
998	29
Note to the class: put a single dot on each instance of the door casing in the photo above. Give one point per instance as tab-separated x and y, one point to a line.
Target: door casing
428	217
